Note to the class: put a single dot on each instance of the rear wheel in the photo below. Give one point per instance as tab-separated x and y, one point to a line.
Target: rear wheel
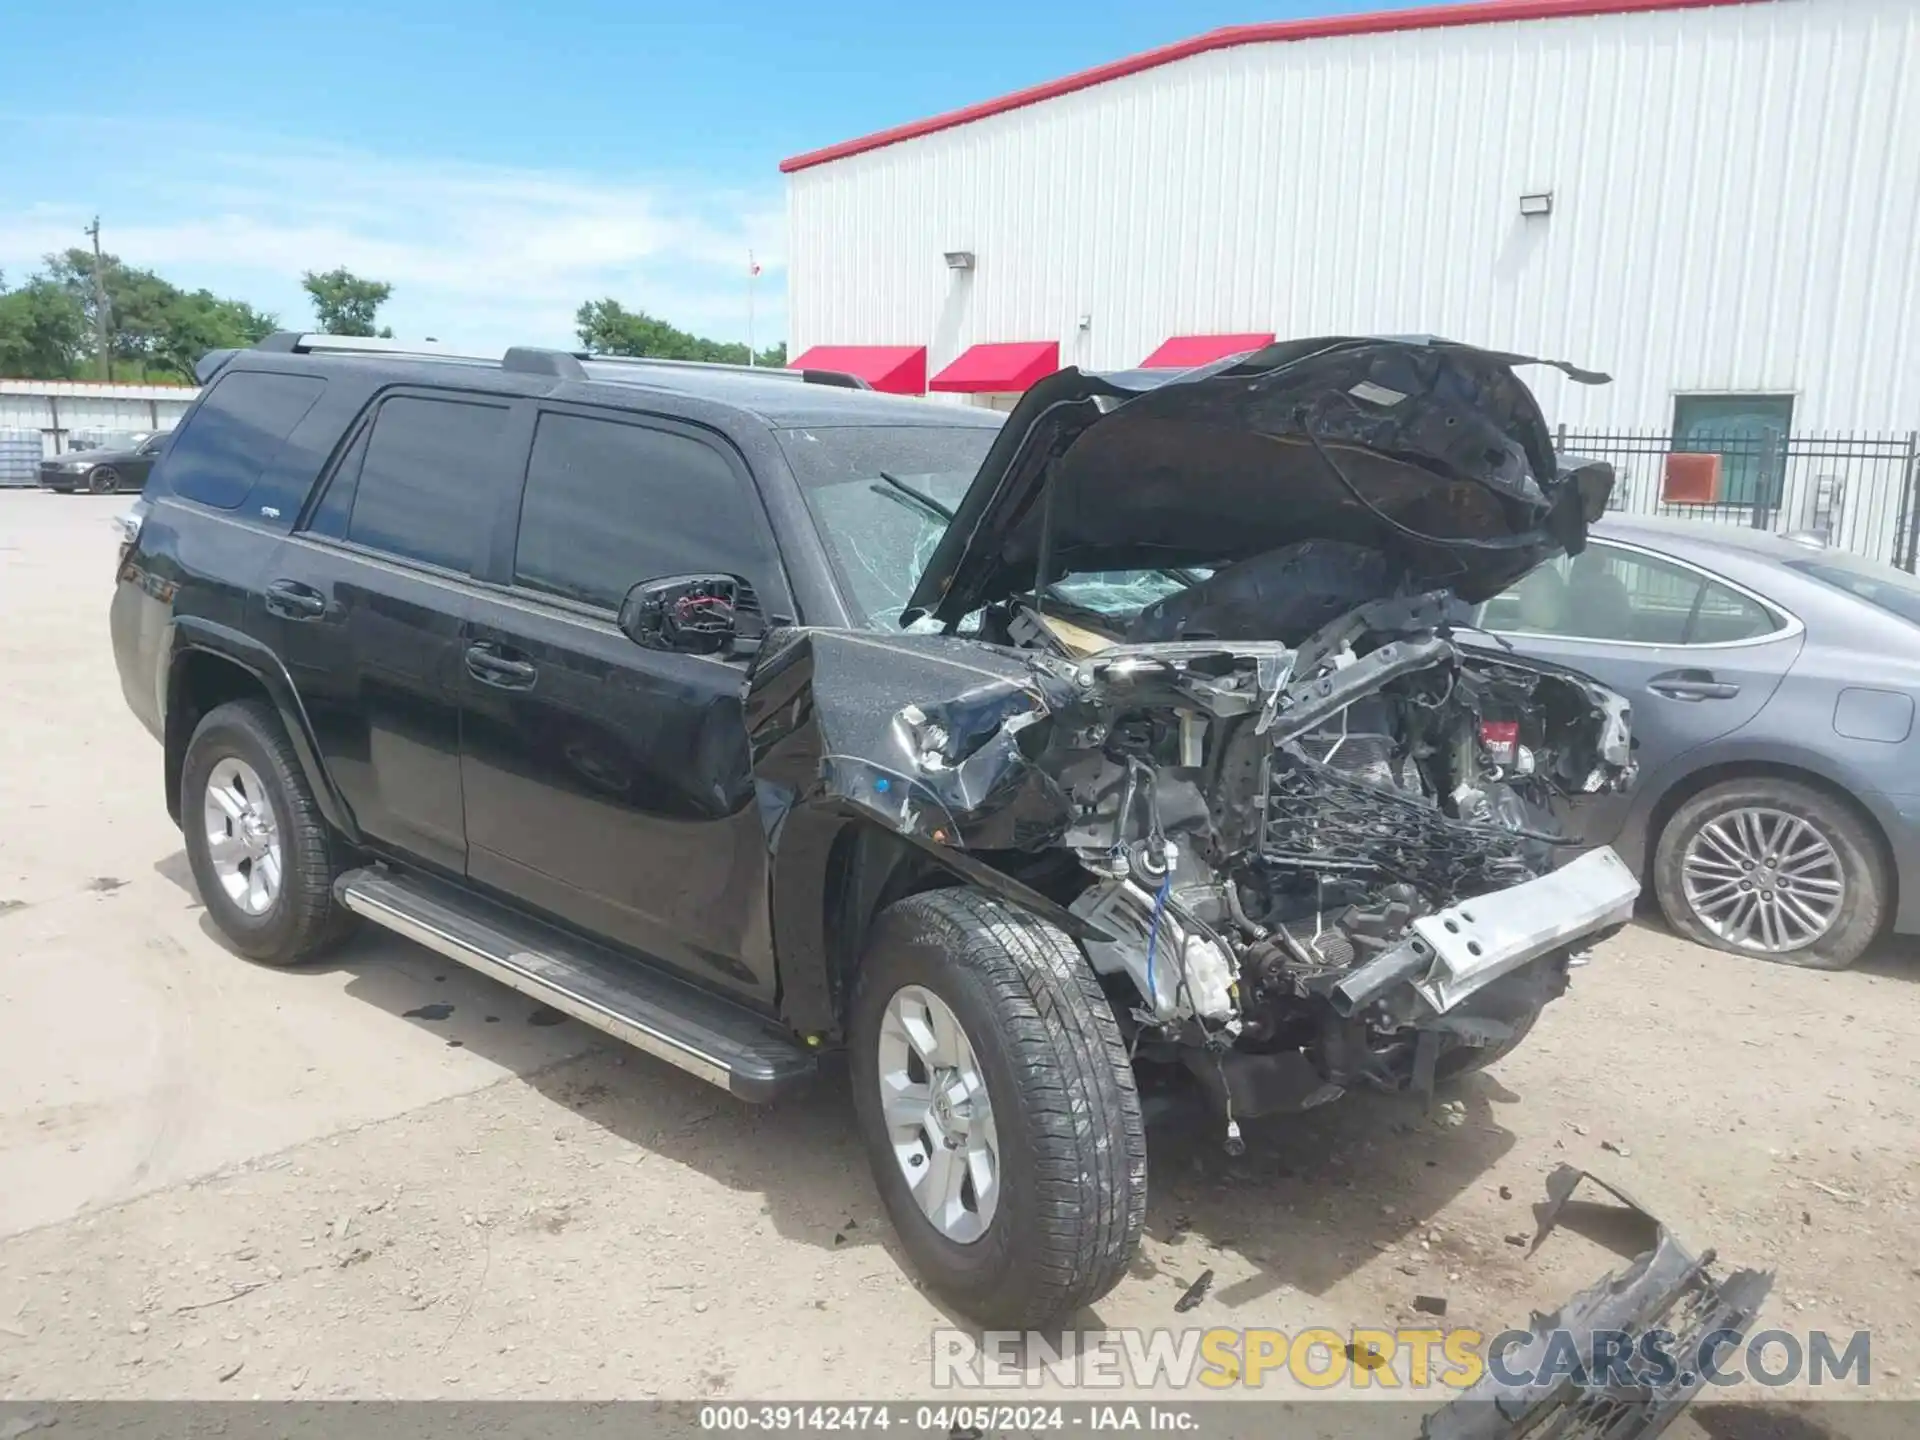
103	480
997	1105
1774	869
261	853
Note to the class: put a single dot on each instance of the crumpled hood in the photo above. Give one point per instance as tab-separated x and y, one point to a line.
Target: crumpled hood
1432	452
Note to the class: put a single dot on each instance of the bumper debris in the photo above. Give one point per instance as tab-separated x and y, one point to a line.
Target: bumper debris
1667	1299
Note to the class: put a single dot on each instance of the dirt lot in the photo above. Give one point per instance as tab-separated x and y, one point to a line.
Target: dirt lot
386	1177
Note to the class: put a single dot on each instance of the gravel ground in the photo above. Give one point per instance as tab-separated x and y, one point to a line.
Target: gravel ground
384	1177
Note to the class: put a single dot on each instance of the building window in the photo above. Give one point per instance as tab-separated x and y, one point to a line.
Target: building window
1735	427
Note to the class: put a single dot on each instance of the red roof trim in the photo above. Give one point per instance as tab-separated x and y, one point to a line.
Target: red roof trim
1318	28
897	369
1183	352
999	368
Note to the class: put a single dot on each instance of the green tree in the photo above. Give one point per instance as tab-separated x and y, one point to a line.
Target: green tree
137	303
346	304
202	321
607	327
43	333
154	328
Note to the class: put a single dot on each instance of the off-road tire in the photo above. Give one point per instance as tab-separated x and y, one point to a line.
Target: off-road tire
1073	1162
1863	910
305	918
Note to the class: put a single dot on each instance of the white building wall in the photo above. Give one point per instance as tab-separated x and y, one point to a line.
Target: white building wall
1736	207
60	409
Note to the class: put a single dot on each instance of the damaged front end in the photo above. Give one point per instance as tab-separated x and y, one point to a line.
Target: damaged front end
1309	840
1315	867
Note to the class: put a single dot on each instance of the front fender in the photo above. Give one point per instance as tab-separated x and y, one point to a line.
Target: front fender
830	751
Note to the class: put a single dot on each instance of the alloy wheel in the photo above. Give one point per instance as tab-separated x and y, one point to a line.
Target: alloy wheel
243	839
938	1113
1763	880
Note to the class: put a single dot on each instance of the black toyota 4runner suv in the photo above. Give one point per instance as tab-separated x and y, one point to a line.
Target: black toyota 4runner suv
749	716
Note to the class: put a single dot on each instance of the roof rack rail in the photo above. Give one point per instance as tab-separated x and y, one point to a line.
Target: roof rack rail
537	359
773	372
292	342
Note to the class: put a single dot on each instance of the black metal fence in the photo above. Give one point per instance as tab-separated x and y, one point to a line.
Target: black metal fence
1853	491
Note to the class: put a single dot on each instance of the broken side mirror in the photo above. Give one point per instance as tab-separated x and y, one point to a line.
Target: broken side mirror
692	615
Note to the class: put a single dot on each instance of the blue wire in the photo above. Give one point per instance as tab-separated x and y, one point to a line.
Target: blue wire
1153	938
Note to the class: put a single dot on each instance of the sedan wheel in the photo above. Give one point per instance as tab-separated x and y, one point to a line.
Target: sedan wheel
1764	880
103	480
1774	869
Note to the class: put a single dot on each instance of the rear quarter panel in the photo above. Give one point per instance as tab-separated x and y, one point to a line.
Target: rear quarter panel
1850	651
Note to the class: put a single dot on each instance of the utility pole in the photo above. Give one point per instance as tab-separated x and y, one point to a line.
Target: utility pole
99	305
753	273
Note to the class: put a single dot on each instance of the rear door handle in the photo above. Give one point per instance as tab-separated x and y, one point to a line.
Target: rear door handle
294	601
490	667
1692	685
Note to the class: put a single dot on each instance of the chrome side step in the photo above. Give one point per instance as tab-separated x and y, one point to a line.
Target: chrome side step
723	1043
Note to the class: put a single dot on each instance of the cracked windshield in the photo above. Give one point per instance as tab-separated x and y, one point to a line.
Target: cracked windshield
882	497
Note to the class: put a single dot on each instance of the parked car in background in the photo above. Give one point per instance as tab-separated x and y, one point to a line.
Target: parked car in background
1777	810
122	464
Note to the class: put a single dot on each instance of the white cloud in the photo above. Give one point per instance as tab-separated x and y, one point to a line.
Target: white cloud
478	255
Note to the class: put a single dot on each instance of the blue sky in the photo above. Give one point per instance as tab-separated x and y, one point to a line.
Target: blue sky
498	163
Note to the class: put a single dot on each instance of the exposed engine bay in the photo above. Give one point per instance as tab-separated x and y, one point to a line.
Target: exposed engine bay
1265	826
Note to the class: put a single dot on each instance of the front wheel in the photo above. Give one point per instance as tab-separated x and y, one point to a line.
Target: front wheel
995	1098
103	480
1773	869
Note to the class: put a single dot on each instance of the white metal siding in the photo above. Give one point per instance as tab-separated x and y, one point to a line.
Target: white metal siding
57	410
1736	195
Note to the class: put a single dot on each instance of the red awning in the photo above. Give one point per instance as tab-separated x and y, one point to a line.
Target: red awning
1183	352
993	369
901	369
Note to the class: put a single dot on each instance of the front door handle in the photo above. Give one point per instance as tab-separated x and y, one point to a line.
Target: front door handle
1692	685
490	667
291	600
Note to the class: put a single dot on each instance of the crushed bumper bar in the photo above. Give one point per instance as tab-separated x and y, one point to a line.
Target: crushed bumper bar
1666	1289
1477	941
1456	952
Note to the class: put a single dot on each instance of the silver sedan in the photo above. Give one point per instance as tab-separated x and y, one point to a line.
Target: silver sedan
1777	812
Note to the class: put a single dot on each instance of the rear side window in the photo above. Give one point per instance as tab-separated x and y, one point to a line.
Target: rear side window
1625	596
235	433
336	501
608	505
421	491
